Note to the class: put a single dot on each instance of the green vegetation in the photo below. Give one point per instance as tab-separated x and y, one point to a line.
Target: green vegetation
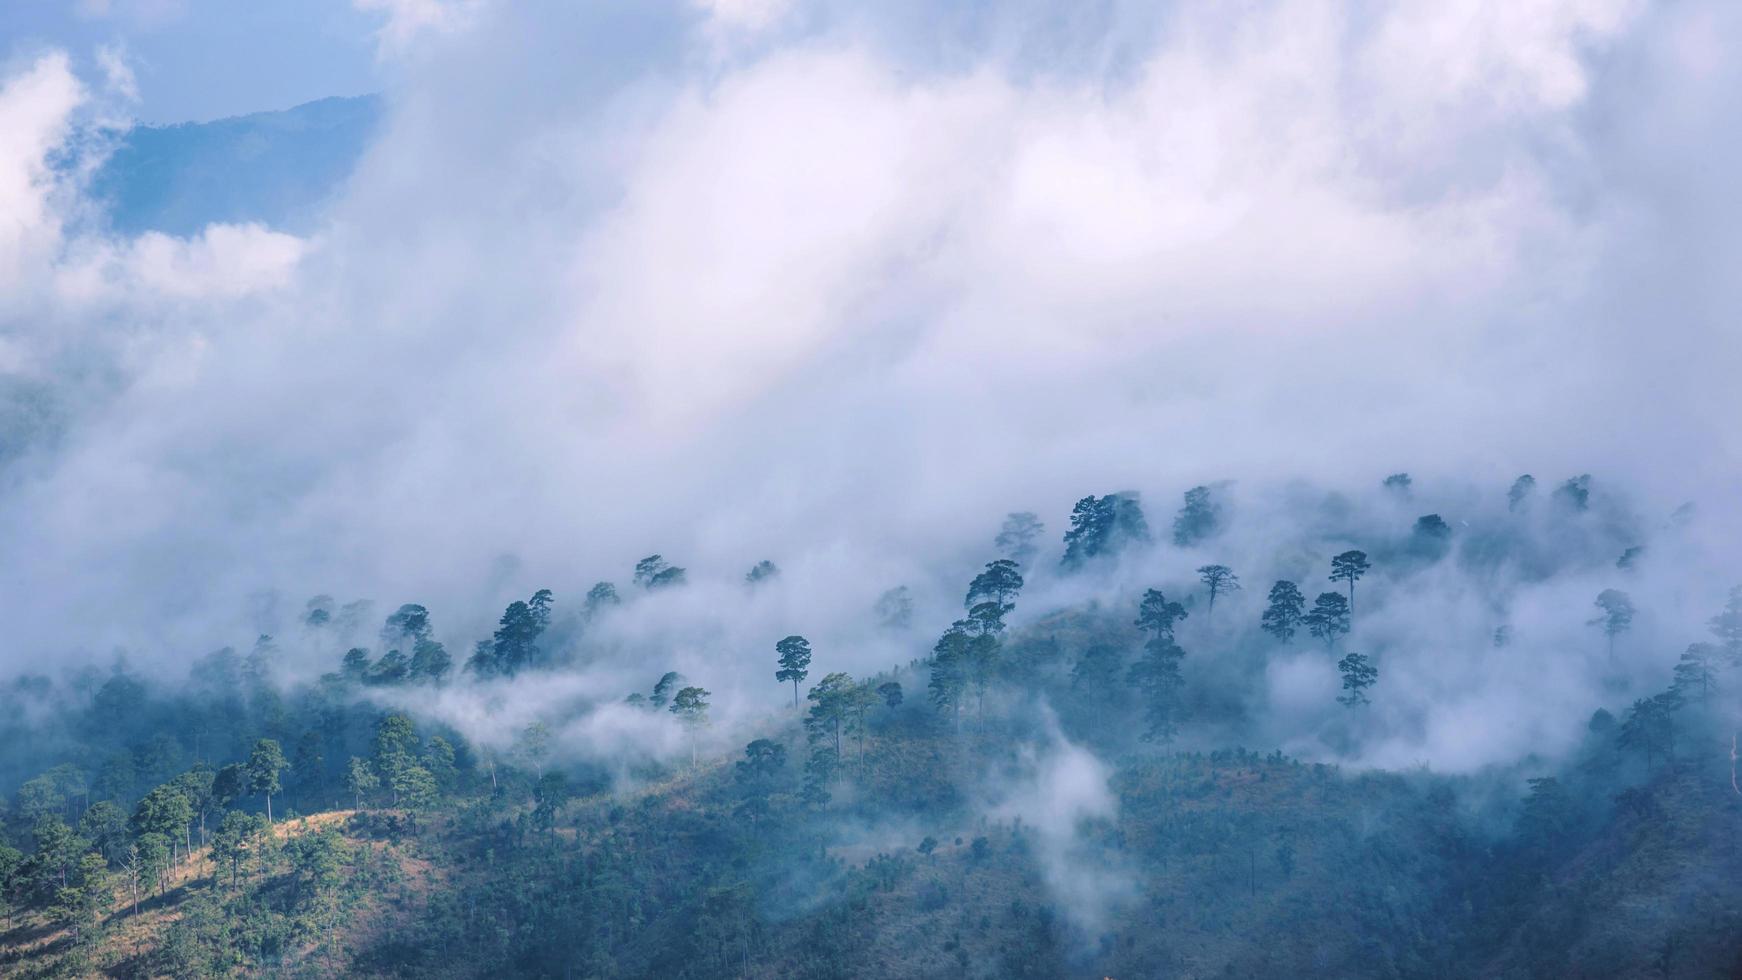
1057	805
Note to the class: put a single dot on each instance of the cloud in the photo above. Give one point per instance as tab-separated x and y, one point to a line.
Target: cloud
405	21
745	14
1060	794
36	105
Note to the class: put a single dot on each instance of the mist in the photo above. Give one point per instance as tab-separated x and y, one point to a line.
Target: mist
839	289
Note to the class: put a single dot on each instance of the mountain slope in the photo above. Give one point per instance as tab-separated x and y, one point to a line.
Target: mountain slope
270	167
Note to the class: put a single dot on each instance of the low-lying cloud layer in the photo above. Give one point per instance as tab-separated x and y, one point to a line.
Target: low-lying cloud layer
837	288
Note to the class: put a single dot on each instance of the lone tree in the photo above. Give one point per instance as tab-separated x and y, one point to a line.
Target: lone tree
1575	494
1617	616
1431	536
1519	495
1016	539
761	572
1650	727
1157	616
515	643
668	682
1199	518
1101	526
361	780
408	624
1727	626
890	692
1349	567
763	758
1696	675
833	697
894	608
691	708
1329	617
1359	674
795	661
1157	675
264	765
1399	484
999	583
1217	579
949	672
654	572
1282	617
602	596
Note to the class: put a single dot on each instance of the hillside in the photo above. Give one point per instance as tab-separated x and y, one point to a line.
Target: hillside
275	168
1230	864
1072	793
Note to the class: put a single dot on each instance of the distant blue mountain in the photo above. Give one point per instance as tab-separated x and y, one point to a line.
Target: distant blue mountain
273	167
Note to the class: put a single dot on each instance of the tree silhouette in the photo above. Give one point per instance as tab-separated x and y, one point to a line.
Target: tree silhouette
1575	494
1282	617
1617	616
1016	539
265	763
1157	674
1696	674
1430	537
1157	616
1199	518
1329	617
762	760
1520	493
894	608
668	682
1349	567
1649	728
831	707
761	572
1217	579
795	661
949	671
1358	675
1101	526
654	572
999	583
691	708
890	692
602	596
1727	626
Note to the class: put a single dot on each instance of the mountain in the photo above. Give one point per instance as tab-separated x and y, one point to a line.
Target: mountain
271	167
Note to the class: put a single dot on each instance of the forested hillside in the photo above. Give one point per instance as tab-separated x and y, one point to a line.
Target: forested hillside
1145	747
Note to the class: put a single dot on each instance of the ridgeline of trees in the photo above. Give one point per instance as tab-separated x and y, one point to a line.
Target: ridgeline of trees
236	824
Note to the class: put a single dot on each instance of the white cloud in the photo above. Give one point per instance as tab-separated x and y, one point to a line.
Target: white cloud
404	21
745	15
222	261
36	106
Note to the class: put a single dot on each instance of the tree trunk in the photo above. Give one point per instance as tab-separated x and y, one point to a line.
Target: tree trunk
269	809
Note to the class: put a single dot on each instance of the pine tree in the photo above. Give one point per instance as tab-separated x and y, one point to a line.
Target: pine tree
1329	617
1157	674
1358	675
1218	579
795	661
1282	617
265	764
1349	567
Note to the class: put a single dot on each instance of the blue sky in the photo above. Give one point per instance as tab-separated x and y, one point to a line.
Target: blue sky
205	59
